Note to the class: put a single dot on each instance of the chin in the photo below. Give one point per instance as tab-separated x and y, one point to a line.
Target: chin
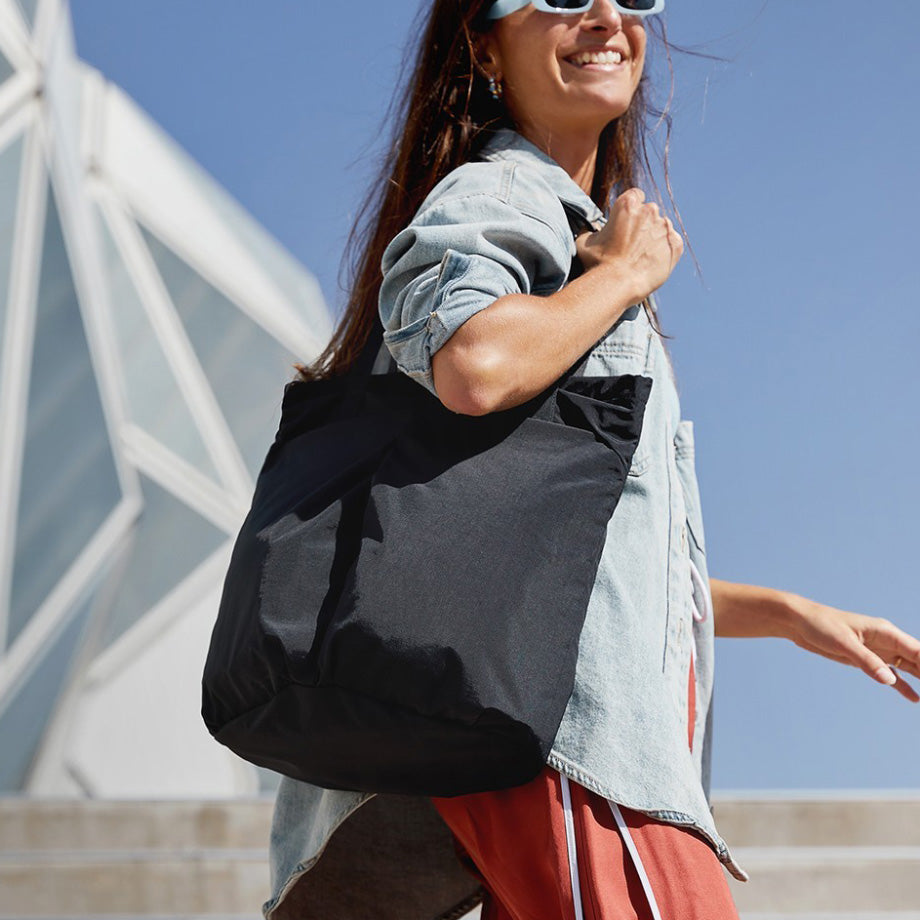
605	111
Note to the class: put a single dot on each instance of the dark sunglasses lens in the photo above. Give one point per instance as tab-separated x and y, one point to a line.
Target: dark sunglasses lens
638	6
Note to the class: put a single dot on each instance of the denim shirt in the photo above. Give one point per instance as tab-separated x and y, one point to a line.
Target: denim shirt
502	225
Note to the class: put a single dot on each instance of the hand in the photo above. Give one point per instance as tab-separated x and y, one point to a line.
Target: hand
638	240
865	642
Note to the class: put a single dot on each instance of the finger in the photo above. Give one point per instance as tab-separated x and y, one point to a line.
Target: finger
902	686
900	663
676	242
905	689
633	195
906	647
893	643
869	662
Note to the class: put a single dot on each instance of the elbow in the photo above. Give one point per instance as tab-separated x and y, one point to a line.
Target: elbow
469	380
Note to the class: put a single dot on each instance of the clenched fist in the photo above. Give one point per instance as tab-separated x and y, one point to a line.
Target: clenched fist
638	241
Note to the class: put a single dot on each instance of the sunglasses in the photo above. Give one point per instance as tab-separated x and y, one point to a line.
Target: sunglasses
628	7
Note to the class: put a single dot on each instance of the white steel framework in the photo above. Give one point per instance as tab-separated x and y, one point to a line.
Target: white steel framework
147	327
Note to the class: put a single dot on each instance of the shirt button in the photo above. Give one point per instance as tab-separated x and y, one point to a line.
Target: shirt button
683	537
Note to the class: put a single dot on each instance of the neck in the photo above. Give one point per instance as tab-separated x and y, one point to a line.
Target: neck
575	153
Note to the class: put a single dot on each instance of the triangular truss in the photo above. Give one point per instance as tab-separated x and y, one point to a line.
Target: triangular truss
147	327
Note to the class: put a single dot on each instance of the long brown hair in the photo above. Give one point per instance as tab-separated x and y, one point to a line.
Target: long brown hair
443	117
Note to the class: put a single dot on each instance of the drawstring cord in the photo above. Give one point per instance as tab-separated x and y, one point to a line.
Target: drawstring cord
697	579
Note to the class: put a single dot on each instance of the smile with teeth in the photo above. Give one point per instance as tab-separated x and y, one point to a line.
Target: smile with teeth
596	57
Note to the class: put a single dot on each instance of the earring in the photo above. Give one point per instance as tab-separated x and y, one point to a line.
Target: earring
495	88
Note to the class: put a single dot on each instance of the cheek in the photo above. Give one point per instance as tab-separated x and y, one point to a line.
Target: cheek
528	53
534	75
638	42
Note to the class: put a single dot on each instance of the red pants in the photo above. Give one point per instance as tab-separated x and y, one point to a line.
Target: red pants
553	850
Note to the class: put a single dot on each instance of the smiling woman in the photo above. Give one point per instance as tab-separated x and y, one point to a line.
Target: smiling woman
509	241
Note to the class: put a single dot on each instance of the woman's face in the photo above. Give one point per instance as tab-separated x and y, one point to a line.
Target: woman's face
552	80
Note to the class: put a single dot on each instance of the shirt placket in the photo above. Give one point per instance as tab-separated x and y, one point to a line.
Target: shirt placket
679	634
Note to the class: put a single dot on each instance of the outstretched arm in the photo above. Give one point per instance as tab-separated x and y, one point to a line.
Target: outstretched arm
872	644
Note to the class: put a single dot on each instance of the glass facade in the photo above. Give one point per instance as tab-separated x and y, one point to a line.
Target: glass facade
69	483
242	364
28	8
158	561
10	162
104	529
23	723
155	400
5	69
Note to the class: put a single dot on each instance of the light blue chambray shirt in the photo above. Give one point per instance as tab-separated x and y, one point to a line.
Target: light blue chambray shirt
505	225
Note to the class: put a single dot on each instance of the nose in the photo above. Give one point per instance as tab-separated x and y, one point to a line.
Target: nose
603	16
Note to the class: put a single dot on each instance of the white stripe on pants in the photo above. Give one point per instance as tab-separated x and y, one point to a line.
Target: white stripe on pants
573	852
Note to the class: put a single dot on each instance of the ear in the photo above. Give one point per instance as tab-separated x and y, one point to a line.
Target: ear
486	56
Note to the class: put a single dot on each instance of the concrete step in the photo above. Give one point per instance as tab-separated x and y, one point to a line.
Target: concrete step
95	884
816	819
774	821
836	915
810	858
798	880
74	824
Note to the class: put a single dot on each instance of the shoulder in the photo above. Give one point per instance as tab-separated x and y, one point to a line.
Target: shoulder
500	189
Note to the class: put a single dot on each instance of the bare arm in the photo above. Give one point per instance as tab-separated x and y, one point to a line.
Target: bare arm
749	611
865	642
517	346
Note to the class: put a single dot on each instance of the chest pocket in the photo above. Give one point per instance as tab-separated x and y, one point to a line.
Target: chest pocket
629	349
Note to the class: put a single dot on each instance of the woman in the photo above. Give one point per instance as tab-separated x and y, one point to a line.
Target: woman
523	120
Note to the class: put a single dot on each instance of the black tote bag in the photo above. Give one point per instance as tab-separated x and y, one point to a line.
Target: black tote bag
404	600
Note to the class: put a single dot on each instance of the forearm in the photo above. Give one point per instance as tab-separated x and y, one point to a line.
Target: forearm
750	611
520	344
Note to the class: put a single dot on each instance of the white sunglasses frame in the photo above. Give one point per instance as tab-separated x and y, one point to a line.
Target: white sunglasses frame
503	8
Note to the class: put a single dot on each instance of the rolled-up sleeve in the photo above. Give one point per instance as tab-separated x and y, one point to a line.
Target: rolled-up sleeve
459	255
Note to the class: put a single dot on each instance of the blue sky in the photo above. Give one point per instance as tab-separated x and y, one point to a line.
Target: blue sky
794	164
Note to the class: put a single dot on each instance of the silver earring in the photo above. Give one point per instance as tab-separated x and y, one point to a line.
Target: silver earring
495	88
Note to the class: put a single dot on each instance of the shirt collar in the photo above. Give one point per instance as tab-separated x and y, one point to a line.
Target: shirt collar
507	144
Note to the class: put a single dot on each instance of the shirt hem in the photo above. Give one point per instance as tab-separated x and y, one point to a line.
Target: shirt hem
302	868
563	765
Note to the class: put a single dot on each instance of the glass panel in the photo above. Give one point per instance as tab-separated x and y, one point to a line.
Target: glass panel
155	401
23	723
246	367
69	483
28	7
289	275
169	541
6	68
10	161
292	279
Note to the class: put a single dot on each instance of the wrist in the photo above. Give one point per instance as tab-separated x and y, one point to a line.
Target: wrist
786	610
622	284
